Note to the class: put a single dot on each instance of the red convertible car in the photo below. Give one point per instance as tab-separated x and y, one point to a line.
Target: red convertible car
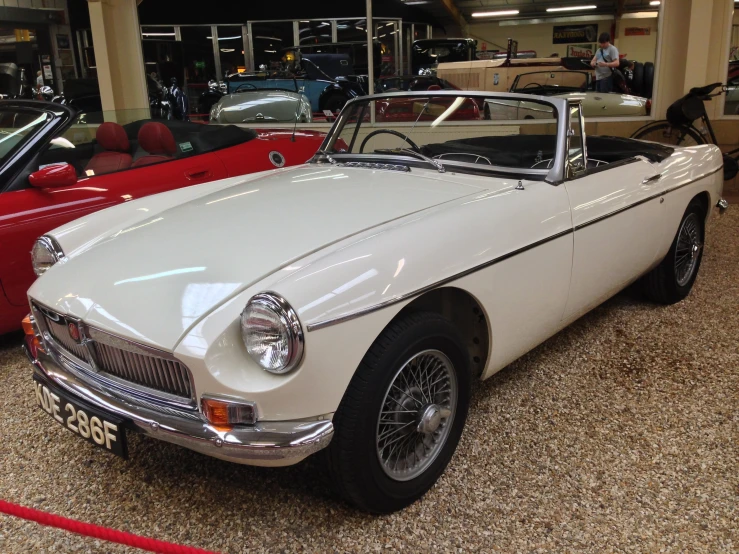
55	168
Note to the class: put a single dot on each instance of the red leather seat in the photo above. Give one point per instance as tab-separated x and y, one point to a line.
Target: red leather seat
158	141
112	138
434	87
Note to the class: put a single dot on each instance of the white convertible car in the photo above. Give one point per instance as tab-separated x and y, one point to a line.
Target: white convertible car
350	304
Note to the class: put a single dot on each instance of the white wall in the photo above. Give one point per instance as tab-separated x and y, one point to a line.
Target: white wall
539	37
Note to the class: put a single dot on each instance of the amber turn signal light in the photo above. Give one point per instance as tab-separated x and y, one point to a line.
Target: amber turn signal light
224	412
28	326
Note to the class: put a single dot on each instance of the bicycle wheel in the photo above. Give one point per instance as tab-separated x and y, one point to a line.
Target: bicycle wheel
665	133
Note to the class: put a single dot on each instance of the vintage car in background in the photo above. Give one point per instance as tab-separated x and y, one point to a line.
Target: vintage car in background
326	90
262	105
349	304
564	84
411	83
54	169
499	74
427	54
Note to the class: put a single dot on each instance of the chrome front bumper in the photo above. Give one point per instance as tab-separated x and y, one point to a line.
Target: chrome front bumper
265	443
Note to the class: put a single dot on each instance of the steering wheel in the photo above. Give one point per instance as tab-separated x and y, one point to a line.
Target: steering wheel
245	86
389	132
533	85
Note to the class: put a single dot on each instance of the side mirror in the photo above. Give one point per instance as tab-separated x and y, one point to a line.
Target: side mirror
52	176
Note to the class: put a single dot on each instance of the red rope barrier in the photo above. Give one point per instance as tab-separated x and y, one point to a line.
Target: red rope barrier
95	531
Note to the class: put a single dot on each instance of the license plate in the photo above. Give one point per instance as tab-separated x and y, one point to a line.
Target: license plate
91	424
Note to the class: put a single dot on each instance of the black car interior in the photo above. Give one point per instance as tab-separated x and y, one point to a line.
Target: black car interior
530	150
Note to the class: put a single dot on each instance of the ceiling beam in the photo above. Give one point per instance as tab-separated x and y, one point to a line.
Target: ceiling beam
451	7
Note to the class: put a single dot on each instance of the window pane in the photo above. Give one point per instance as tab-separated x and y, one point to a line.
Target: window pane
314	32
268	40
231	49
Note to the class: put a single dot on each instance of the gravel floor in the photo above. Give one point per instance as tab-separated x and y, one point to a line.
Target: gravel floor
618	434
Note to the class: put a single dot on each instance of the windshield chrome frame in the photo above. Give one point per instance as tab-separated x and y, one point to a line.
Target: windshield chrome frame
555	175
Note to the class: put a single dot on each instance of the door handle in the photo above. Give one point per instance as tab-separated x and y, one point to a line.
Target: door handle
652	179
198	173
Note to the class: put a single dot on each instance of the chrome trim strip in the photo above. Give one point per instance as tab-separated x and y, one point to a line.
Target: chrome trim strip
402	297
267	441
644	200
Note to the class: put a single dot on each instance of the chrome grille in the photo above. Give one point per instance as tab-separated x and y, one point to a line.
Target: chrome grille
57	327
161	374
119	365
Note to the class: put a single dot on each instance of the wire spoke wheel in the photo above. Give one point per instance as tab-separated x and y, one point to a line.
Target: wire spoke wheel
688	249
416	415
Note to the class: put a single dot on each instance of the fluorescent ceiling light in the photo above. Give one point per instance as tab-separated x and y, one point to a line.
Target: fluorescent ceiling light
494	14
655	3
640	15
572	8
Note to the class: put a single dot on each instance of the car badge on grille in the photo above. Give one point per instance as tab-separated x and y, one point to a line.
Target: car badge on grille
74	332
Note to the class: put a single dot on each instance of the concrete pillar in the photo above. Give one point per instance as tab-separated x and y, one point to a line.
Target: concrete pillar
693	45
120	62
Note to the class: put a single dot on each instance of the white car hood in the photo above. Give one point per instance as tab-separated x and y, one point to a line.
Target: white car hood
155	279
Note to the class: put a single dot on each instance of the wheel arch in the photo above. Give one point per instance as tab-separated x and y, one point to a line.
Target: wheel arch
704	198
468	315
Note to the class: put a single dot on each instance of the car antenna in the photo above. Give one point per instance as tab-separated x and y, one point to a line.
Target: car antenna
300	97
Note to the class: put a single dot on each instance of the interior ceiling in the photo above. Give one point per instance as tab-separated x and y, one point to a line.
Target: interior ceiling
444	9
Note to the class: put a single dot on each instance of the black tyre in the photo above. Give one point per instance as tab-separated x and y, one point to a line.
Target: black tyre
665	133
334	103
648	79
637	81
673	278
401	417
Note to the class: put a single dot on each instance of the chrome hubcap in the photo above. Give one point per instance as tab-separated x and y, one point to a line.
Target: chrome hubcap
416	415
687	252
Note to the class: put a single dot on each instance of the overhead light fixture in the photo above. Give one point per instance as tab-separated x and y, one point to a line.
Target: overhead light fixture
655	3
494	14
572	8
640	15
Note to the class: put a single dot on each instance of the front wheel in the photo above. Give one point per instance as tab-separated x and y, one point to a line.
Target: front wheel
665	133
402	415
673	278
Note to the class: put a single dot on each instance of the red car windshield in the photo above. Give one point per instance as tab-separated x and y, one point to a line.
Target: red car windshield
17	127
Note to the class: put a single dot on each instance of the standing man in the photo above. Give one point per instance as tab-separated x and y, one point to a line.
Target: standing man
604	61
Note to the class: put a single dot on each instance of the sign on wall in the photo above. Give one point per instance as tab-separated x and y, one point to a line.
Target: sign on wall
567	34
637	31
580	50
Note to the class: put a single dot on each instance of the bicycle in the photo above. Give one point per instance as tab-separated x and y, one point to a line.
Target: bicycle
679	128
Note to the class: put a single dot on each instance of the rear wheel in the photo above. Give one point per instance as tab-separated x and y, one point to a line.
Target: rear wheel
334	103
648	79
402	415
665	133
637	82
673	278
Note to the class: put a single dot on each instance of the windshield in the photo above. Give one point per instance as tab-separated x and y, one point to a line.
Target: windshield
551	82
468	132
17	127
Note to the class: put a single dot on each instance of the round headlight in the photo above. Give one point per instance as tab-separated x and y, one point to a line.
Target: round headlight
45	253
272	333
